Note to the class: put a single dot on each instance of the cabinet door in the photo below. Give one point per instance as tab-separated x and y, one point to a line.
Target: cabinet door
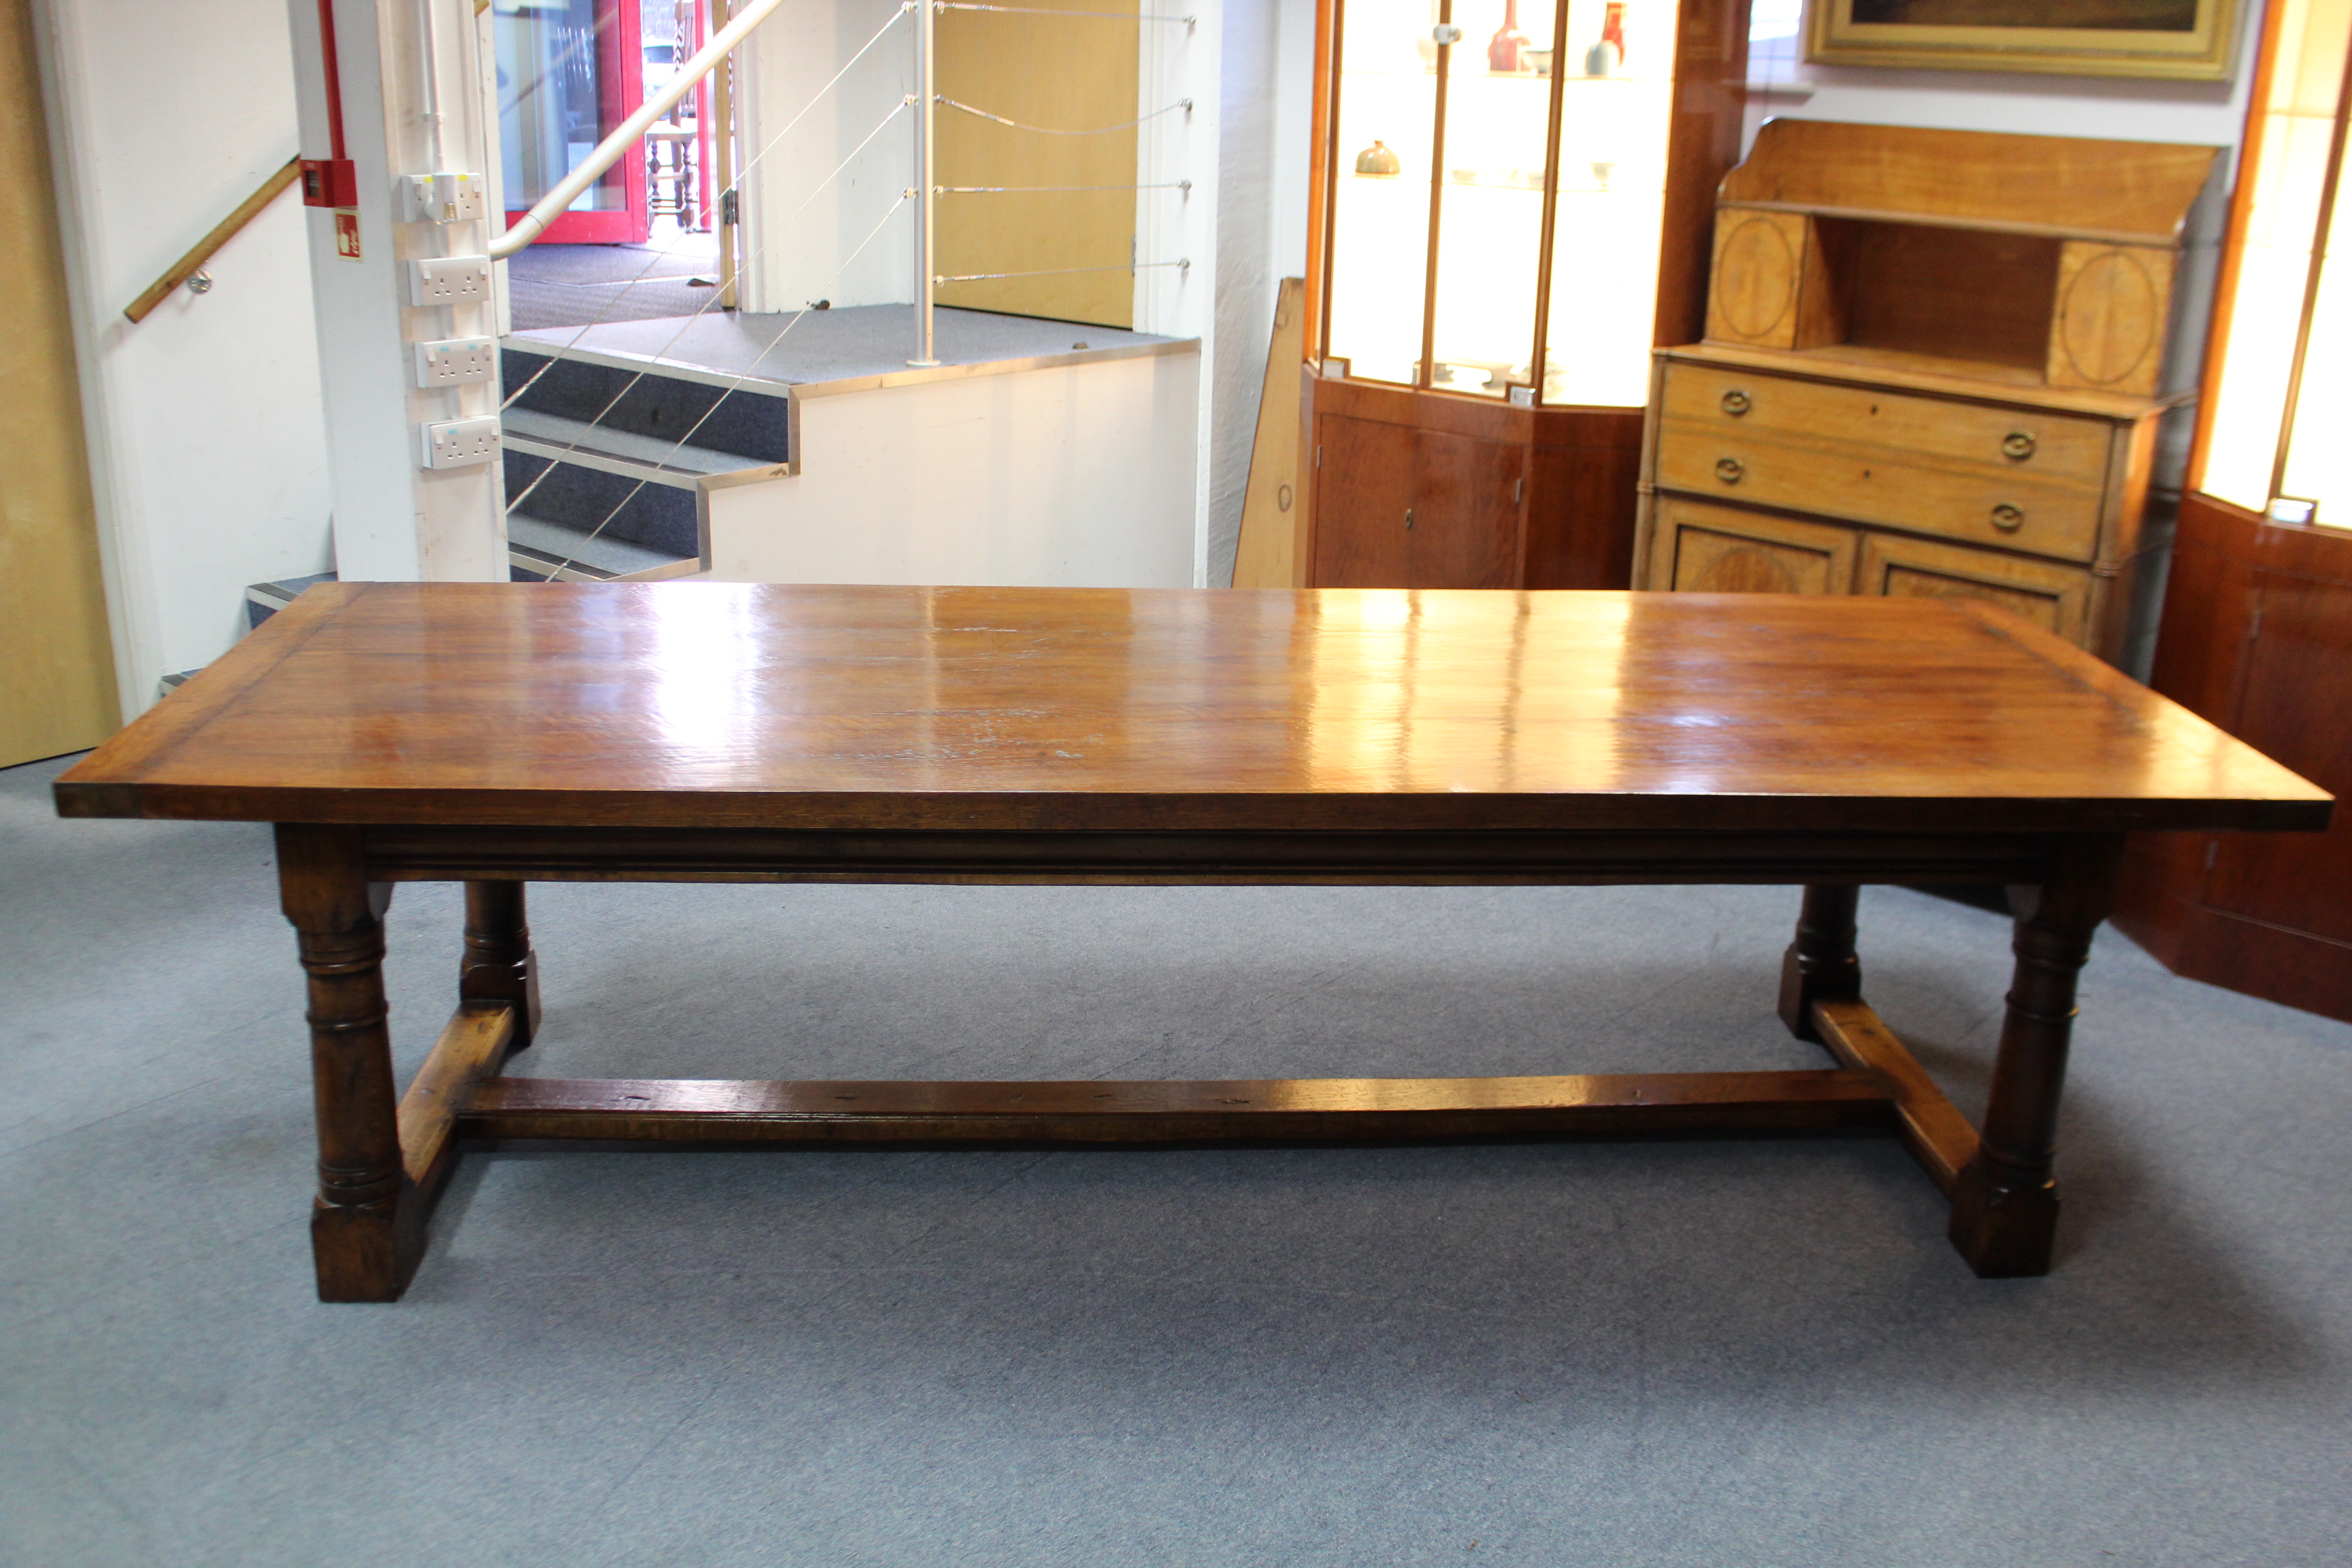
2297	706
1465	523
1363	487
2049	595
1703	549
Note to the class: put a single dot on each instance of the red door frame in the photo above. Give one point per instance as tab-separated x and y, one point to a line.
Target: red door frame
620	90
706	199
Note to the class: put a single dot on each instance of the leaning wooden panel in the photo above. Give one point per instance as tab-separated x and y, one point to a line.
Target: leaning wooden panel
1271	549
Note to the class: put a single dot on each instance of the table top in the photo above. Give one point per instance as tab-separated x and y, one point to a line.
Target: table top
803	706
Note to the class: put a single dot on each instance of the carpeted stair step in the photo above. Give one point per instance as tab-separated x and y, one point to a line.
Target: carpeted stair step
668	407
539	551
604	523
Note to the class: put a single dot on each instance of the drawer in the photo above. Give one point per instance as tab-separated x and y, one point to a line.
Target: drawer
2055	597
2066	448
1983	507
1702	549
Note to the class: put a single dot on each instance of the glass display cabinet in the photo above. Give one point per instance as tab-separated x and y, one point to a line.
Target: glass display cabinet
1512	209
2257	629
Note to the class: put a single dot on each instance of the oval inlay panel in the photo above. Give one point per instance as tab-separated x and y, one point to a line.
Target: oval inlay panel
2108	321
1755	278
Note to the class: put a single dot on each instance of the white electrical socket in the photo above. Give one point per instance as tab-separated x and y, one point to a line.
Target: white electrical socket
456	362
443	198
460	443
449	280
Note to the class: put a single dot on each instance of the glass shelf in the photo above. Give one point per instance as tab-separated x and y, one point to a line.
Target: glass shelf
1440	281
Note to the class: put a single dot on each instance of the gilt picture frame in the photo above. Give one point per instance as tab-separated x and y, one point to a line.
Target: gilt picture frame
2180	40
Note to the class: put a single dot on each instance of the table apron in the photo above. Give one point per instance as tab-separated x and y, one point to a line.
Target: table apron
400	853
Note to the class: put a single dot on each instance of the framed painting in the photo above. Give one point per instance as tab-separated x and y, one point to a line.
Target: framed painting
2191	40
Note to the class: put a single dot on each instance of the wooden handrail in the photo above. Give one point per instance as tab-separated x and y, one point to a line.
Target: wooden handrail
202	251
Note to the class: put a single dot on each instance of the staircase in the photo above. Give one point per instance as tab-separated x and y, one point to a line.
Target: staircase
663	530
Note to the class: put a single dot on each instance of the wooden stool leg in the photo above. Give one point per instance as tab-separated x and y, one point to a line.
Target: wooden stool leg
498	966
362	1250
2005	1204
1819	965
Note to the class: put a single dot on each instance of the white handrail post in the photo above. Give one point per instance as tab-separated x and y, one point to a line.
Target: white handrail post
927	84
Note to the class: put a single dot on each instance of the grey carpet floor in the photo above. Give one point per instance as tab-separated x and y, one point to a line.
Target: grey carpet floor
572	284
831	344
1707	1353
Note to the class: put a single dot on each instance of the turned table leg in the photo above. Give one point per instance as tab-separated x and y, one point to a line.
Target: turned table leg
2005	1206
498	965
362	1250
1819	965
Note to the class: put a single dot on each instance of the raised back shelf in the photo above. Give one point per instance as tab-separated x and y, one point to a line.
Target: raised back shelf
2026	260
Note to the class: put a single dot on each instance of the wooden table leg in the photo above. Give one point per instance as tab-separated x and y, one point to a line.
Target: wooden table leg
2005	1206
362	1250
1819	965
498	965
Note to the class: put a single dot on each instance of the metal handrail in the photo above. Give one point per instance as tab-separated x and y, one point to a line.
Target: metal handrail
616	146
191	264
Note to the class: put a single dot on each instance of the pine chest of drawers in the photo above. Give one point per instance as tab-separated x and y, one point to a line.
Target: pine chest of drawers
1768	473
1935	366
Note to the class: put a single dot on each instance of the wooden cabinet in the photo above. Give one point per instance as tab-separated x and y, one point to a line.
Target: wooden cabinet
1951	346
1417	509
1414	492
1501	228
1725	550
2053	597
2256	637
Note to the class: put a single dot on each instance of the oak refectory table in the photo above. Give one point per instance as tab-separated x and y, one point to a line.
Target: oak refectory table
499	734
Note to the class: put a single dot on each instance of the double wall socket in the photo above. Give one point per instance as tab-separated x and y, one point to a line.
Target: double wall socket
458	443
443	198
450	280
456	362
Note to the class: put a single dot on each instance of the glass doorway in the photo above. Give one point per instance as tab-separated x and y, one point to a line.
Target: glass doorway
570	71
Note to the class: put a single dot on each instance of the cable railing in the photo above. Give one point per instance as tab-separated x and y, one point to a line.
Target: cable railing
920	196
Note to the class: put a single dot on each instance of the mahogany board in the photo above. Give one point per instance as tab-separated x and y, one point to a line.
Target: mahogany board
848	709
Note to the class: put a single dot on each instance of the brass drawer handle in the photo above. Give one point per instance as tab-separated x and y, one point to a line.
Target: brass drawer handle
1736	402
2007	517
1729	469
2017	446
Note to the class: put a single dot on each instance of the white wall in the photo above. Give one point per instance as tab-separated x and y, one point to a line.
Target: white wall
1265	94
796	236
395	519
1071	476
204	420
2113	109
1177	64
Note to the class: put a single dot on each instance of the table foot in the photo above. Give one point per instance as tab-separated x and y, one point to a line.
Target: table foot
498	965
2003	1232
363	1245
1820	965
2005	1204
